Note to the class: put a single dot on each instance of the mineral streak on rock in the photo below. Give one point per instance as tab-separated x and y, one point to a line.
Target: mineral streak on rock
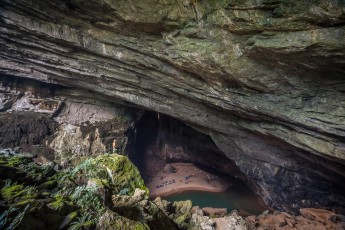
264	79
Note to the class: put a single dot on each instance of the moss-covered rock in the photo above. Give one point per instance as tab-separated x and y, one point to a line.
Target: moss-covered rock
182	213
139	208
157	218
112	171
75	198
110	220
163	205
62	204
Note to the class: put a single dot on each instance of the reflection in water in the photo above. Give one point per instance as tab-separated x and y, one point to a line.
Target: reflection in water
238	197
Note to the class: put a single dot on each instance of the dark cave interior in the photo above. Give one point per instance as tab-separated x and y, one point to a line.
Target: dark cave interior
166	140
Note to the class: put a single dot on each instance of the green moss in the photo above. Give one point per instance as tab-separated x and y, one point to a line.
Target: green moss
183	220
48	184
60	202
106	173
158	217
36	172
3	160
141	226
183	206
68	219
111	220
15	161
114	172
23	202
45	193
11	192
182	213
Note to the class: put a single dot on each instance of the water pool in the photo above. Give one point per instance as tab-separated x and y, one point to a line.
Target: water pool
238	197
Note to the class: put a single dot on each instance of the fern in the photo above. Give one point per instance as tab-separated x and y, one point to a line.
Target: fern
82	223
4	217
18	219
59	202
87	198
14	222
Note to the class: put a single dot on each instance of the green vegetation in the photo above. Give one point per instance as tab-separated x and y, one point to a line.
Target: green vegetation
12	191
111	171
36	196
8	223
84	222
105	192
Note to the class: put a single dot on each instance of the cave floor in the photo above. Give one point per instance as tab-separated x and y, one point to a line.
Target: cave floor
187	176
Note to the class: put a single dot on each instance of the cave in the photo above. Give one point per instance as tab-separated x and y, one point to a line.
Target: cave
169	140
249	91
163	143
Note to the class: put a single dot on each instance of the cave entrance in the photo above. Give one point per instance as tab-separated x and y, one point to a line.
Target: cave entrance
178	162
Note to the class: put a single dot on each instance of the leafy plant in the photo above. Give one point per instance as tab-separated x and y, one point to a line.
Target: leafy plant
84	222
13	221
58	203
87	198
35	172
11	191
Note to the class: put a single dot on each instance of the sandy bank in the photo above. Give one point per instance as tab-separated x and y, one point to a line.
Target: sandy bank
186	177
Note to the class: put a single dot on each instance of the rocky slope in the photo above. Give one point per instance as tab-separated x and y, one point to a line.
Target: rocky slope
264	79
107	192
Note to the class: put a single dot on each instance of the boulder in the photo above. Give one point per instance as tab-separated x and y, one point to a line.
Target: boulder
233	222
169	169
320	215
182	213
114	172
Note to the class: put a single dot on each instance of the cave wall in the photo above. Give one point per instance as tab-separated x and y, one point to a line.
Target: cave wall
59	123
264	79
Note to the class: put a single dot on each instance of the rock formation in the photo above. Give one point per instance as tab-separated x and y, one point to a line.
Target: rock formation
68	122
264	79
